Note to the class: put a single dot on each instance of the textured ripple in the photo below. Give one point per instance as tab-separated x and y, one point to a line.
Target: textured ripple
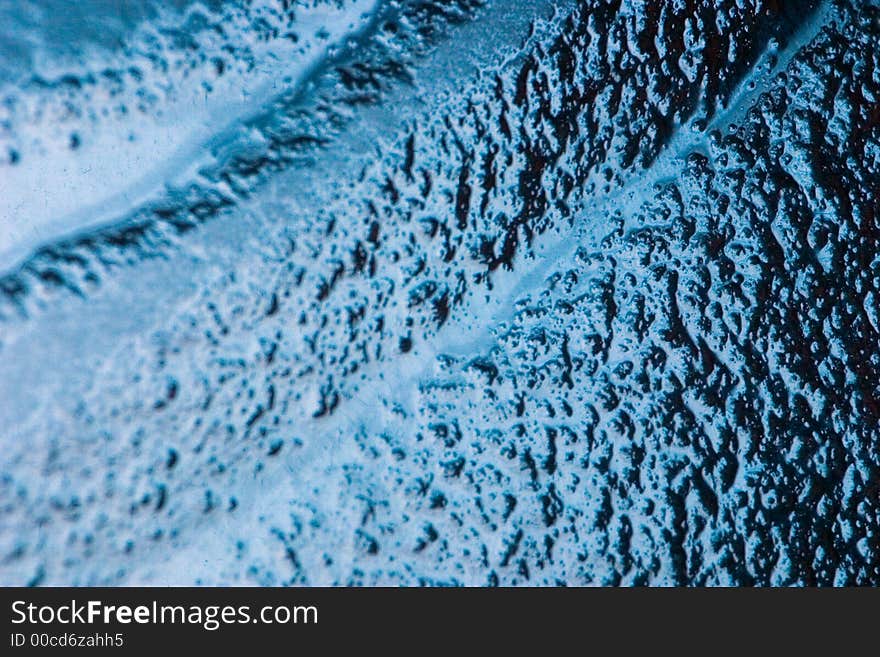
492	293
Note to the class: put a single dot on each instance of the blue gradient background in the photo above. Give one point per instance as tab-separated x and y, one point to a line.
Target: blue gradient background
444	292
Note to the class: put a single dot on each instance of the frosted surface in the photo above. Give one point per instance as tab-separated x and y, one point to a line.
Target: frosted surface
439	292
